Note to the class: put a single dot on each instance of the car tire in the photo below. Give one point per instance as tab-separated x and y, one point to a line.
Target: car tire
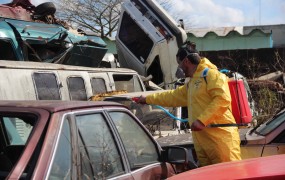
47	8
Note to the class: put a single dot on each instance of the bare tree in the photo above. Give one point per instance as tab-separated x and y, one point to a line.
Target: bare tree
98	16
166	4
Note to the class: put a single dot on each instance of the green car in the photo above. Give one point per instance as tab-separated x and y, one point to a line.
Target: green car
38	36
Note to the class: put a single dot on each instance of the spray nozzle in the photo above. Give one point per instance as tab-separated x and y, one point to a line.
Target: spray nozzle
135	99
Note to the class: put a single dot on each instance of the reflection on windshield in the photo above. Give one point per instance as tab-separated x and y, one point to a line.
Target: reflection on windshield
271	125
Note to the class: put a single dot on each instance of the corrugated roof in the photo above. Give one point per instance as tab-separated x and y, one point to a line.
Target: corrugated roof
230	38
224	31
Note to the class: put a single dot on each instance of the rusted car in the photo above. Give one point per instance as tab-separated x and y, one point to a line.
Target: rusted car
79	140
265	139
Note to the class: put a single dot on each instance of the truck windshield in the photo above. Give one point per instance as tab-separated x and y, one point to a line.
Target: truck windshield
134	38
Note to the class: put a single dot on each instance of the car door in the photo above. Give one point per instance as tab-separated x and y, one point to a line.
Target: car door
100	144
142	152
21	130
277	145
100	153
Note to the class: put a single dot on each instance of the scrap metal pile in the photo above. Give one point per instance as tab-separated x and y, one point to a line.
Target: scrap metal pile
274	81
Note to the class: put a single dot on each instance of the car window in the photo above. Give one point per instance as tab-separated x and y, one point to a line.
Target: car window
61	166
100	158
98	85
140	148
266	128
17	129
46	86
76	88
129	83
7	52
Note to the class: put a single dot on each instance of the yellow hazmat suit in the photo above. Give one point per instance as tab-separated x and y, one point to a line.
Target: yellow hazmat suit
209	102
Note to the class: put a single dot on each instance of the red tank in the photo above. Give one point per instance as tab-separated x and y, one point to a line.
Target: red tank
240	105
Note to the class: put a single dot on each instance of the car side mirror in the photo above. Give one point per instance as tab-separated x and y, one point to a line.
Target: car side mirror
175	155
179	157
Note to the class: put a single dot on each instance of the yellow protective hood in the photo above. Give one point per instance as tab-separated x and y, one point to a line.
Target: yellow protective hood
204	63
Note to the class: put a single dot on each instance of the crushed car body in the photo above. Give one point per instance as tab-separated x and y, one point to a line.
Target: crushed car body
29	33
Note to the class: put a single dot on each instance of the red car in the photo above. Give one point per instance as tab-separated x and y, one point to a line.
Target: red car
271	167
79	140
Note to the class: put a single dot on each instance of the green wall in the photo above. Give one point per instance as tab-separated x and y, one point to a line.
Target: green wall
233	40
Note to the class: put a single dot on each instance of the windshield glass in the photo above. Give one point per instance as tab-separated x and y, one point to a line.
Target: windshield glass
271	124
136	40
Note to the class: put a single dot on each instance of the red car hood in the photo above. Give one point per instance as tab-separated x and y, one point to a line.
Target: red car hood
271	167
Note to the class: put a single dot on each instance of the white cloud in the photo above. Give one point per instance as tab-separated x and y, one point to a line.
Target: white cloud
206	13
221	13
181	6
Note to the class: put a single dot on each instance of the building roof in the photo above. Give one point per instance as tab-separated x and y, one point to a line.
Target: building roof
224	31
238	37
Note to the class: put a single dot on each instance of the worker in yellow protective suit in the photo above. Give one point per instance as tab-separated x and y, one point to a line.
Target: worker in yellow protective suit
209	102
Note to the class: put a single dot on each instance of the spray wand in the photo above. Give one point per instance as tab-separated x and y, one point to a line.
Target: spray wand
136	99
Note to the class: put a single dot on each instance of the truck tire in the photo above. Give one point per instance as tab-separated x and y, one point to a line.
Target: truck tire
47	8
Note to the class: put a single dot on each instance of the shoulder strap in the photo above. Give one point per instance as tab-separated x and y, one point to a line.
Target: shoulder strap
204	74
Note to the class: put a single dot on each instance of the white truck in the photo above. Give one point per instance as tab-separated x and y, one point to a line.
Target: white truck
148	40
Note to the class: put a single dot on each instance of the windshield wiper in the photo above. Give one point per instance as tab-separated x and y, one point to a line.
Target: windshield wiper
257	126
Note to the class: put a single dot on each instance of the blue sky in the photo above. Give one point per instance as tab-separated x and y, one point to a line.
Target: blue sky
223	13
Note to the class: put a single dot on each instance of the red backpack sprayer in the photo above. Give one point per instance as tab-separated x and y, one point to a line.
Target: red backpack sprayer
240	104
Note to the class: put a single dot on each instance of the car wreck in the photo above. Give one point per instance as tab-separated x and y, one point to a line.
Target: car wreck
266	139
148	40
29	33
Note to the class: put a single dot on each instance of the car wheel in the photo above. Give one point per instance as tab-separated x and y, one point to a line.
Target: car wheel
47	8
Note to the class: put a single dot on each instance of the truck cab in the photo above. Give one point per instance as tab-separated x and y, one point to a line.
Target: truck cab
148	40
